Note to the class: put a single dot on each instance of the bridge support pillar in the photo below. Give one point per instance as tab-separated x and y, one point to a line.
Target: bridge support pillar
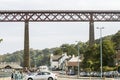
26	46
91	31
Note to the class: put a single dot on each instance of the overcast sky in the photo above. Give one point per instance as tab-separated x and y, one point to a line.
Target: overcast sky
48	35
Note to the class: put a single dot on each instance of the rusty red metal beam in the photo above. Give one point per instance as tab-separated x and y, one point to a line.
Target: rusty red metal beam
58	16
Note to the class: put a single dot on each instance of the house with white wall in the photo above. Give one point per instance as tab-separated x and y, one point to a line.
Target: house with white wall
58	61
64	62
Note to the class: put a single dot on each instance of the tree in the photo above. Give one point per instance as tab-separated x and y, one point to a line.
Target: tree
91	58
66	48
82	47
108	53
57	51
1	40
116	39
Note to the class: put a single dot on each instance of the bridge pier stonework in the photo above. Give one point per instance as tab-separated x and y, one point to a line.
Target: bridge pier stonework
91	31
26	46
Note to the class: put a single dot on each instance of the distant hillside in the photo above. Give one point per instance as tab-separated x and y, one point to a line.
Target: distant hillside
40	57
109	37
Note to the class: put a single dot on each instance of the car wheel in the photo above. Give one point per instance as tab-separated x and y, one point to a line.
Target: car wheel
29	79
50	78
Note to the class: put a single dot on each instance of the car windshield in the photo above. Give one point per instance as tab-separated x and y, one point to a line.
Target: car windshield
44	73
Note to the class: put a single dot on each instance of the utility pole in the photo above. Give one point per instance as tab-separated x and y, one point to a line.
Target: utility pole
101	65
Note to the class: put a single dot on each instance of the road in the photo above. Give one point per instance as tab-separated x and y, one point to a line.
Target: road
67	78
88	79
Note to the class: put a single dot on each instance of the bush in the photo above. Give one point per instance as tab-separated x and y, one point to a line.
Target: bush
107	68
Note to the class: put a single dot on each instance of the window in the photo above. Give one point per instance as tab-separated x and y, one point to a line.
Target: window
46	73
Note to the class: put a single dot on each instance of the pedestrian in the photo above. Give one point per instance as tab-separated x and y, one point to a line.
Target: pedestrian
13	75
16	75
20	75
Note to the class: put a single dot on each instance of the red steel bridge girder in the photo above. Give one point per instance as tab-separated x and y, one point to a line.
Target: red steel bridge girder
58	16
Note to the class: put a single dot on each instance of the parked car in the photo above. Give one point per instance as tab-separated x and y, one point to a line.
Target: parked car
71	72
44	75
111	74
83	74
62	72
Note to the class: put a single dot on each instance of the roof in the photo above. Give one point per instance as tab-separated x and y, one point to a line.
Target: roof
72	64
74	59
56	57
11	65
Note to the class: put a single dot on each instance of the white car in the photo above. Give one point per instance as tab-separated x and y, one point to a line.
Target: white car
44	75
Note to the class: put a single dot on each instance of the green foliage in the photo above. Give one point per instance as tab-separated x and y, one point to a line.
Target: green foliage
116	39
92	56
107	68
108	53
1	40
66	48
36	56
71	49
57	51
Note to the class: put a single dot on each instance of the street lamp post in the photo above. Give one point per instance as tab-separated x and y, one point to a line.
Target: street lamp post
101	66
